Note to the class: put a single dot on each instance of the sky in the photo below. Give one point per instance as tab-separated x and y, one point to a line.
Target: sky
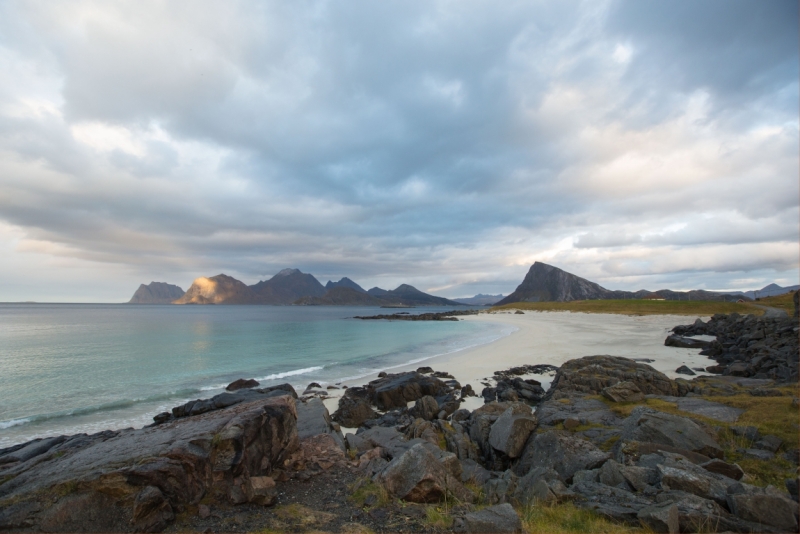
642	144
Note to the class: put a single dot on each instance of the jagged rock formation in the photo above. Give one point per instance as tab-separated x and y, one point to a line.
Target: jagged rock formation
286	287
345	282
220	289
341	296
545	283
156	293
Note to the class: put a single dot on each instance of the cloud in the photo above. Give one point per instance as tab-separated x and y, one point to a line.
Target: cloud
444	144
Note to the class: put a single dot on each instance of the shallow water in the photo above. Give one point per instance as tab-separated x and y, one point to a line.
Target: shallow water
68	368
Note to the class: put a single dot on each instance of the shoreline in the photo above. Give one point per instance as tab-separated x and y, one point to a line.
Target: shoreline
554	338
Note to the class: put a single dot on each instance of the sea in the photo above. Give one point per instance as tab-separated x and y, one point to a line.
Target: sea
84	368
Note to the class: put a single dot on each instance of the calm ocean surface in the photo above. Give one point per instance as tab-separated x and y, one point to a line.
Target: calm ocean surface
69	368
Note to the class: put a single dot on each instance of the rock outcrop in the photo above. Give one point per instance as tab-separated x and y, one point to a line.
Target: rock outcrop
592	374
750	346
116	480
156	293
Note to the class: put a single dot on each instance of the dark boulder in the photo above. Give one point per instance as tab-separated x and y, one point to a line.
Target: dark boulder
425	408
591	374
684	370
242	384
396	390
499	518
417	476
354	408
510	432
564	453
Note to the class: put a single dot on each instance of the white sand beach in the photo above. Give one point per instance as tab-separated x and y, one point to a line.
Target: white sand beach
556	337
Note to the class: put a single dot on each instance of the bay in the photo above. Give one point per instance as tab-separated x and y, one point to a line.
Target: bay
69	368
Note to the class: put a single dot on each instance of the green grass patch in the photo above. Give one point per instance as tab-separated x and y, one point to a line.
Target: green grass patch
783	302
698	308
438	517
362	489
567	518
770	415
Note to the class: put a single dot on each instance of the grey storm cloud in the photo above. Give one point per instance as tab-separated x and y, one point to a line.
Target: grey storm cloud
445	144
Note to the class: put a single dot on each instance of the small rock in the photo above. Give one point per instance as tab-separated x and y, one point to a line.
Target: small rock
313	385
759	454
660	518
723	468
242	384
382	374
769	443
203	511
424	370
684	370
499	518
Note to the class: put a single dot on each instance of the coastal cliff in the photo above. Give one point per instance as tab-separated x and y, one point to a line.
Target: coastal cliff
156	293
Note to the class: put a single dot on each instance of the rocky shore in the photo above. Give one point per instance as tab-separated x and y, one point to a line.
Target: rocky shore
611	435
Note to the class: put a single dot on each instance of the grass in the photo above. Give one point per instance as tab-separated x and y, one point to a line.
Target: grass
697	308
438	517
305	516
770	415
565	518
784	302
362	489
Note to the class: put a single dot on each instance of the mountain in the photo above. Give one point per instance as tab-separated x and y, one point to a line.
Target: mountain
410	296
156	293
545	283
480	300
345	282
220	289
770	290
286	287
342	296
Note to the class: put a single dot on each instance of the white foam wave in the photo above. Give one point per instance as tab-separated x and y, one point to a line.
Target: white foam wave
13	422
303	371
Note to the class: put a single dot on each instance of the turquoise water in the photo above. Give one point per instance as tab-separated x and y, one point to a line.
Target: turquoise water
68	368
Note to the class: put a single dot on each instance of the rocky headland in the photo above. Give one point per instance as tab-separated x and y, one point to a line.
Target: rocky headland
546	283
156	293
401	453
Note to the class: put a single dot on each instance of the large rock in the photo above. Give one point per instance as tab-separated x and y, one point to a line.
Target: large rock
591	374
645	424
242	383
763	506
565	454
417	476
313	419
661	518
354	408
397	390
510	432
425	408
499	518
112	480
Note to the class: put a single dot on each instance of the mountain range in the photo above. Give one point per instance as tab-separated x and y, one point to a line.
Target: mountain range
545	283
290	286
480	300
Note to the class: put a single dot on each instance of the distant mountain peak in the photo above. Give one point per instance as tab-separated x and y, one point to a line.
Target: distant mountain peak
345	282
288	272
